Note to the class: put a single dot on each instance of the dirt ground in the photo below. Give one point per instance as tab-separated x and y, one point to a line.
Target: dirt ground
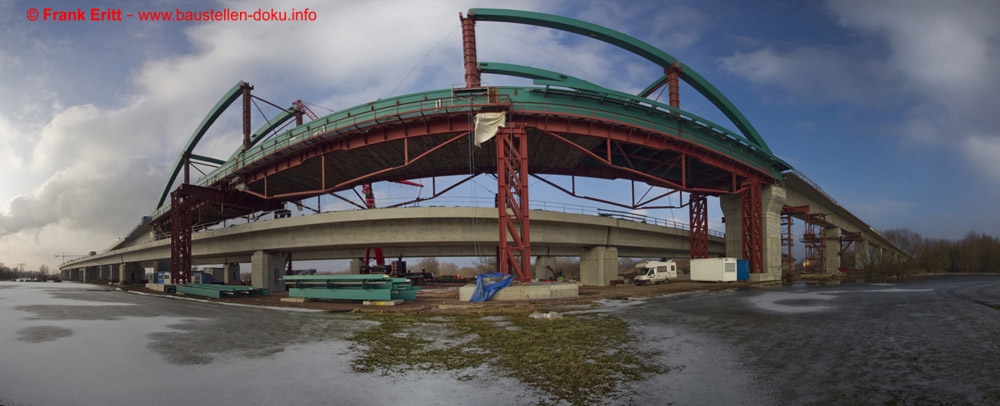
444	298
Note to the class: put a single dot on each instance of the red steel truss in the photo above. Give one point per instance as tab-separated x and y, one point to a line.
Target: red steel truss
788	240
180	237
513	257
815	261
698	209
753	225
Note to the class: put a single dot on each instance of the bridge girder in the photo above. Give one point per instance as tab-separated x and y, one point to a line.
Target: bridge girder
602	133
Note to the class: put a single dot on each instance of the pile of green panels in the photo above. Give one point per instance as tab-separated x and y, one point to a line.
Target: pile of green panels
351	287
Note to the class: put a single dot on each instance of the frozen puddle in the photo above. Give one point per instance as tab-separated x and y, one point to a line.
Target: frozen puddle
811	301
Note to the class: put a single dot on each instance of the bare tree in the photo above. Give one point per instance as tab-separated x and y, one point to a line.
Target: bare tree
429	264
485	264
448	268
907	240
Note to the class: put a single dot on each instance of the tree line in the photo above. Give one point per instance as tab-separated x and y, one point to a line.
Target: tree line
974	253
8	273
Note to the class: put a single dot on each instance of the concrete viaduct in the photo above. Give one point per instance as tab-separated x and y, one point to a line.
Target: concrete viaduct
560	125
417	232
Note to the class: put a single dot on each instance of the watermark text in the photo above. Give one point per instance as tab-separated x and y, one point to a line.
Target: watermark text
180	15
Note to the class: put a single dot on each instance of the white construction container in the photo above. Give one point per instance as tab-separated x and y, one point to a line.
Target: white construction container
713	269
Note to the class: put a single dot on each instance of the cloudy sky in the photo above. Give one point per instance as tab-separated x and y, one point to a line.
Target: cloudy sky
890	106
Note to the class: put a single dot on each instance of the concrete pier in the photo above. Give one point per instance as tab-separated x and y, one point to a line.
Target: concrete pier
267	270
598	266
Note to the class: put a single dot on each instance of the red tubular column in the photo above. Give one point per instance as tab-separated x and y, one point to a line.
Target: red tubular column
469	50
673	85
246	88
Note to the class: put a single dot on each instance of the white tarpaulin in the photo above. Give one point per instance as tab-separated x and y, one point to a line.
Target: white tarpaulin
487	125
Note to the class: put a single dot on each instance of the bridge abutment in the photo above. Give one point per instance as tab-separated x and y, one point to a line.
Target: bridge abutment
266	271
598	265
772	201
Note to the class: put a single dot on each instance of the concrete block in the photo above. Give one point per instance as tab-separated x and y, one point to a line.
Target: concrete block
526	292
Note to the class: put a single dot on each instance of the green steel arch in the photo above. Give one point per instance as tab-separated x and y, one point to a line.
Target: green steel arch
631	44
749	147
228	99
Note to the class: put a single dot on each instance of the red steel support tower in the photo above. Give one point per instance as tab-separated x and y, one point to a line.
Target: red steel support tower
514	257
814	242
753	225
698	208
180	237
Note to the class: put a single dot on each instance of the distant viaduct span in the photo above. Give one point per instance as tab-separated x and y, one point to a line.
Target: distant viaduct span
561	125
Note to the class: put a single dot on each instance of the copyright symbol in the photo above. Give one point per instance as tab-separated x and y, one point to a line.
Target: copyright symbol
32	14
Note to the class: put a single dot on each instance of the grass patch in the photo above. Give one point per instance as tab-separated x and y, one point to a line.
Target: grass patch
583	359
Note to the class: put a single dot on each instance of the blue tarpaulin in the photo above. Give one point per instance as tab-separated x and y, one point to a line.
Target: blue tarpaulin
484	293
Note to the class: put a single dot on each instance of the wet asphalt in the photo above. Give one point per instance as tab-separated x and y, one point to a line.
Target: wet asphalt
919	342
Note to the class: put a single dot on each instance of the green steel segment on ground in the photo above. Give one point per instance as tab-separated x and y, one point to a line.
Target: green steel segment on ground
199	132
630	44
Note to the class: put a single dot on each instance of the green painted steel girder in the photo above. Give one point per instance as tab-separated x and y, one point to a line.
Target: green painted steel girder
207	159
199	132
540	76
631	44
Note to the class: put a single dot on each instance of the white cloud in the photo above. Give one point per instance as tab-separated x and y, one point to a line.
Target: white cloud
935	62
101	160
950	52
984	152
814	74
102	164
